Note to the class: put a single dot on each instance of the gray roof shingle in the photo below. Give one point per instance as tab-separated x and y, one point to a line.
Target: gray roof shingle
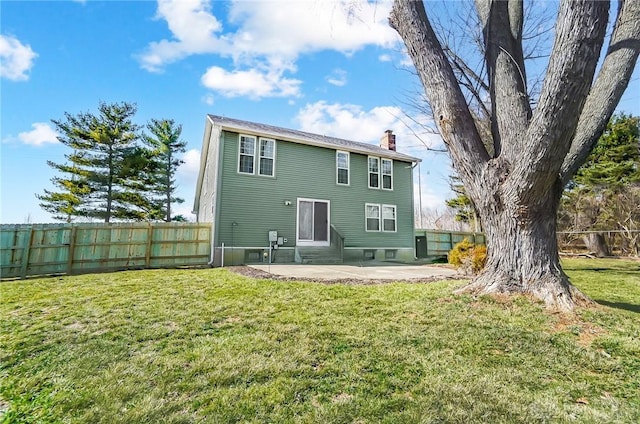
302	137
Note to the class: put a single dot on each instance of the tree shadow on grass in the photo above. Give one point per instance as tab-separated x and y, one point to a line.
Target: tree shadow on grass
620	305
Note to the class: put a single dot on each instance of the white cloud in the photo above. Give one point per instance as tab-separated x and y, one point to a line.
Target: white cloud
188	171
194	30
385	58
338	78
16	59
185	209
186	176
430	197
208	99
264	38
353	123
252	83
283	29
347	121
42	133
290	28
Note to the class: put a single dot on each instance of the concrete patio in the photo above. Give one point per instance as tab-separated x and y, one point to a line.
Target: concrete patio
378	271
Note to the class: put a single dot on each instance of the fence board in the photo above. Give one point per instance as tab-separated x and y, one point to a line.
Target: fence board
42	249
439	243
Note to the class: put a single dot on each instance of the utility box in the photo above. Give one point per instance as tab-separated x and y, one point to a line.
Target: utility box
273	236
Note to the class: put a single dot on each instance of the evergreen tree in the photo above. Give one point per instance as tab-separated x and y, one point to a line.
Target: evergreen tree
64	205
605	192
462	205
614	163
164	144
101	173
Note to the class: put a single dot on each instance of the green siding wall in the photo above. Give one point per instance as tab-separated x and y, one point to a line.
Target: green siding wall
256	204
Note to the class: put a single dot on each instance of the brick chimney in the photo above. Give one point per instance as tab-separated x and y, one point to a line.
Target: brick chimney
388	140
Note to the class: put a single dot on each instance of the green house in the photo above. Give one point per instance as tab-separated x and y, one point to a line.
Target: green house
283	195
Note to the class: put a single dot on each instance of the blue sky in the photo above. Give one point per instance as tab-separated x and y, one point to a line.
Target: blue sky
332	68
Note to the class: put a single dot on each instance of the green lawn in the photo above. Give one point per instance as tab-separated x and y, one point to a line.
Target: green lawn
211	346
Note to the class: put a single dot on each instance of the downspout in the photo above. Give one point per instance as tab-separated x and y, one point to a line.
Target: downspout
217	130
213	243
413	208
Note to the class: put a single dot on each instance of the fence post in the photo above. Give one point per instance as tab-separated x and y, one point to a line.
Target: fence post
72	248
25	254
426	242
147	258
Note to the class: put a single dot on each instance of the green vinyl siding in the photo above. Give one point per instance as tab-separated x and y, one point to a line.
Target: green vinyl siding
257	204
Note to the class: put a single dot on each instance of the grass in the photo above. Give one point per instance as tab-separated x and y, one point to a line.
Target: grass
181	346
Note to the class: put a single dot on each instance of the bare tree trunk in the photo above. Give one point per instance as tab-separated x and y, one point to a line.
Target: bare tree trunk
517	188
522	254
596	244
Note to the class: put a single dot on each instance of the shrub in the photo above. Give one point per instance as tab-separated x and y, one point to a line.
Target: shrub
468	257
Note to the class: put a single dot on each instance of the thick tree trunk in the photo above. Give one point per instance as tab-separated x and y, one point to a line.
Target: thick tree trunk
522	253
596	244
517	188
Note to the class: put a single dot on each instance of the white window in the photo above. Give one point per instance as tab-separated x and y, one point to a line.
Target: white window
374	172
372	215
246	159
251	153
387	174
342	167
389	218
380	218
267	156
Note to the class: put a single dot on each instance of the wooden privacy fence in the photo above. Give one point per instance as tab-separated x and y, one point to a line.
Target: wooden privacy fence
431	243
41	249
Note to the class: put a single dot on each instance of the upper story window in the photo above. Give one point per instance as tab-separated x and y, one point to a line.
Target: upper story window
380	173
247	151
267	156
374	172
263	151
387	174
342	168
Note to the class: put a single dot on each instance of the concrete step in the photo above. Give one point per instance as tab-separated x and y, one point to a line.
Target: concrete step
319	255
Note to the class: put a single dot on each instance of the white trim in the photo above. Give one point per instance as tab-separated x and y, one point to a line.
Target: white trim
395	219
382	174
240	154
366	218
369	172
348	168
380	218
259	156
304	243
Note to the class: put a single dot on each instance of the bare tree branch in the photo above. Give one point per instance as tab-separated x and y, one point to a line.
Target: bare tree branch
620	59
579	36
502	30
453	119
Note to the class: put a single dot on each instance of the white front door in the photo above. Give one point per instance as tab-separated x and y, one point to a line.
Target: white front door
313	222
